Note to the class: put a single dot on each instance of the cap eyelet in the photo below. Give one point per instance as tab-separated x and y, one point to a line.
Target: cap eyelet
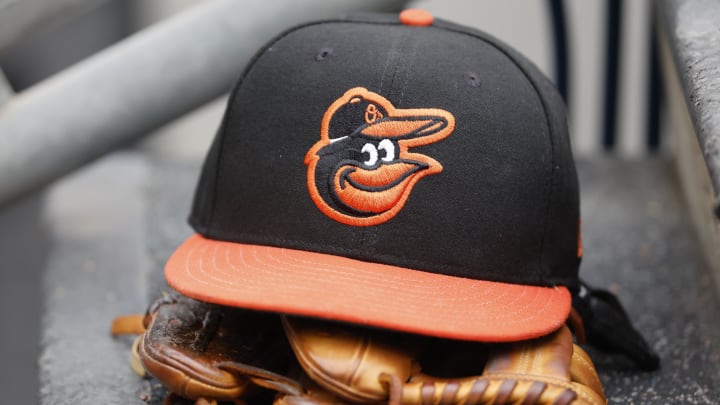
323	53
472	79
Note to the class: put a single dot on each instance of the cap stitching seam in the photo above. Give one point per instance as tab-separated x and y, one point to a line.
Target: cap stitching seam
550	182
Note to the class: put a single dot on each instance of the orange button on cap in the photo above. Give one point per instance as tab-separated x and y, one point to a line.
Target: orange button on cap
416	17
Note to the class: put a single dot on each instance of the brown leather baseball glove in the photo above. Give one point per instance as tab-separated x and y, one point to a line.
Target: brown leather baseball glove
210	353
206	352
369	366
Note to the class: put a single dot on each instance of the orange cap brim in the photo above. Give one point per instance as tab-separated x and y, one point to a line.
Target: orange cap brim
332	287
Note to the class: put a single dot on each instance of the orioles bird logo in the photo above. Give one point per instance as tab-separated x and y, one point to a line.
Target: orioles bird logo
360	172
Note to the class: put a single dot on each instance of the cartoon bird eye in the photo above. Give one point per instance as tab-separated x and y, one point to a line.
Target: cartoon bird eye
372	152
389	149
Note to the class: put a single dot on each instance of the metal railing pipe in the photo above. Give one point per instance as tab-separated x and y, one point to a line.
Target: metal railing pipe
129	89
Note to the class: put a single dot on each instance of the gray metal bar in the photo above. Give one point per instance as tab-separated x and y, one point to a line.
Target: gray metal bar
691	29
122	93
18	18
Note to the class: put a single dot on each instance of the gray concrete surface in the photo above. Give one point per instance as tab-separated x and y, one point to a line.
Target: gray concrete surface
108	253
640	242
96	269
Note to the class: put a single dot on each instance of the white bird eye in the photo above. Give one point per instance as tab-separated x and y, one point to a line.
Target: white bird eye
372	152
389	149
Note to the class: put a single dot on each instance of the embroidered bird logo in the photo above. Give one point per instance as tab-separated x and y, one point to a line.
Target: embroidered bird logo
361	171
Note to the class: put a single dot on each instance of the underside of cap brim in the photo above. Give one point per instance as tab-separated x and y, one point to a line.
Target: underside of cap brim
325	286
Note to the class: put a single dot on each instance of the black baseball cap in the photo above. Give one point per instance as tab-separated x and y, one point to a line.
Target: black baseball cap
396	171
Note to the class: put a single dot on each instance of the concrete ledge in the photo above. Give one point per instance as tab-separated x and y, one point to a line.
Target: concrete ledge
96	269
691	29
688	43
